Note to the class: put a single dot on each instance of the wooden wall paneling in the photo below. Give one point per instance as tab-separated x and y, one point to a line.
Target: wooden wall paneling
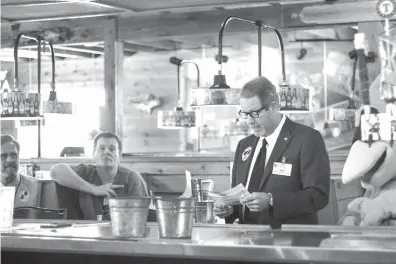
67	71
143	73
145	143
119	91
110	79
157	77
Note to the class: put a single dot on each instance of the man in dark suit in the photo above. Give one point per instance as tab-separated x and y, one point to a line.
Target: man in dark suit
283	164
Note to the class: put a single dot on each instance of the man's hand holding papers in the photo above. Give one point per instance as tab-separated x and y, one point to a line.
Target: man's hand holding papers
224	201
231	196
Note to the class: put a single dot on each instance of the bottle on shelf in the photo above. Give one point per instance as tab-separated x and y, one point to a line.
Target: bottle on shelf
289	99
31	106
15	99
21	105
283	98
10	105
294	99
27	105
4	107
306	99
37	105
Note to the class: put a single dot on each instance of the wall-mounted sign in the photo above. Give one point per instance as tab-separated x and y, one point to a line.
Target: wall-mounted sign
386	8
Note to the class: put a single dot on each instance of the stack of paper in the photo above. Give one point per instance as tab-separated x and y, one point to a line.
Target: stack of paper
231	196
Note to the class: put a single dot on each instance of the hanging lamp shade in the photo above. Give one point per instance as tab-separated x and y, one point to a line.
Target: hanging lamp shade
53	106
178	118
218	94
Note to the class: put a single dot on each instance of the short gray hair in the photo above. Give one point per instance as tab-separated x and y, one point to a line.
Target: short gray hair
262	88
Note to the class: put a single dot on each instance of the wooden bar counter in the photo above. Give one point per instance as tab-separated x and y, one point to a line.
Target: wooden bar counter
92	242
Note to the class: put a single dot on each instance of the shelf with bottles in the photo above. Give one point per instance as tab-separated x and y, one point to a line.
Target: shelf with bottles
177	119
295	99
22	118
18	105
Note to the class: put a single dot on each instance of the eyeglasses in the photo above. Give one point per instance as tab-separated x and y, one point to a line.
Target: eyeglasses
13	155
252	114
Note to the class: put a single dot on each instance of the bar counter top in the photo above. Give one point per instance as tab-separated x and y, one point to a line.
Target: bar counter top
244	243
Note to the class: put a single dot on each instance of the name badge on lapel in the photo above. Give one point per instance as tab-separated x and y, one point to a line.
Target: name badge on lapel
246	153
283	169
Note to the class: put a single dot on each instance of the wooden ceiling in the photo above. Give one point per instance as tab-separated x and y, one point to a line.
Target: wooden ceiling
76	26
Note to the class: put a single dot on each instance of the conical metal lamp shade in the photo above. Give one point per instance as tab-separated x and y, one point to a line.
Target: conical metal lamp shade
219	94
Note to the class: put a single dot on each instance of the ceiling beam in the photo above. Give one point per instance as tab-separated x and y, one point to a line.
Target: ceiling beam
64	17
170	26
68	53
112	5
163	44
90	50
140	48
33	3
97	49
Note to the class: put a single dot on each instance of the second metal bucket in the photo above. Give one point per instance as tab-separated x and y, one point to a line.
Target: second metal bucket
129	216
175	217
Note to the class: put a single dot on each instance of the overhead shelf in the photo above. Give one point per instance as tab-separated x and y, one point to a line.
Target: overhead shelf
22	118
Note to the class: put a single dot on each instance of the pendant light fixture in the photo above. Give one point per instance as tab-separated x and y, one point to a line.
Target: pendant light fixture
220	92
178	118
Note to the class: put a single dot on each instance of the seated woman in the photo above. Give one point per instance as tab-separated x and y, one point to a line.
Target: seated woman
83	189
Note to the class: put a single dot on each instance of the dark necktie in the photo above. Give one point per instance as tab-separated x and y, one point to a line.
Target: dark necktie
258	169
255	178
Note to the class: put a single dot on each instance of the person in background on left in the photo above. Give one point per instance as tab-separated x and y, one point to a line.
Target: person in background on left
26	186
84	189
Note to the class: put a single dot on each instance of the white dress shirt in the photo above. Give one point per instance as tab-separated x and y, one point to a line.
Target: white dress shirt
271	140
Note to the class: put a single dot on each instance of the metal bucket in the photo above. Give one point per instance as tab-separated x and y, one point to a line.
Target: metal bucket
204	212
129	216
175	217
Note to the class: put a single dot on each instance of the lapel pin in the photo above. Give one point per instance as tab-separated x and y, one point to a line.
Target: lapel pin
246	153
285	139
283	159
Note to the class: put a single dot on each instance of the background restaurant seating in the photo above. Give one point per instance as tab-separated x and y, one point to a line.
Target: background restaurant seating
32	212
72	152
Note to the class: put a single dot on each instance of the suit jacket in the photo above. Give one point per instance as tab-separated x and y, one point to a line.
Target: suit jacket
297	197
